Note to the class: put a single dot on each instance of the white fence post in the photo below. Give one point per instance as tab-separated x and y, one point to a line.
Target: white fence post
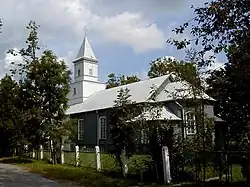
98	158
124	160
41	152
77	155
15	152
62	154
166	164
33	154
51	151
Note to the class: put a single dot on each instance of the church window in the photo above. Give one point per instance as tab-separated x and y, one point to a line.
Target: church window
102	128
90	72
144	136
74	91
80	127
79	73
190	123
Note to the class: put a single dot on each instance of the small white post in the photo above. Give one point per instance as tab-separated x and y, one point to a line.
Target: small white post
33	154
98	158
15	152
124	160
166	164
51	151
77	155
62	154
41	152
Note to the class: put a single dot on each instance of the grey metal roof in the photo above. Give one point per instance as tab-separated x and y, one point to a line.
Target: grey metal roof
165	114
139	91
179	90
86	50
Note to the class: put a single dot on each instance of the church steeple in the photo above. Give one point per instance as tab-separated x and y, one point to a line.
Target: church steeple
85	64
86	80
86	50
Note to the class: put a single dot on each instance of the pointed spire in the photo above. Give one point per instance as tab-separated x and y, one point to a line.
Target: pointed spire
86	50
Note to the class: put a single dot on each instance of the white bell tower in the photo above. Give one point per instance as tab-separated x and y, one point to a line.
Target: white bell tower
86	80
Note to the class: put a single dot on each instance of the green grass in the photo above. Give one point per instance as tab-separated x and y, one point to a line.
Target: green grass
79	175
87	176
108	163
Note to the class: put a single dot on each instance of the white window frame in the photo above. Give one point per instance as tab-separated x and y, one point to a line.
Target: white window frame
80	129
144	136
189	129
102	129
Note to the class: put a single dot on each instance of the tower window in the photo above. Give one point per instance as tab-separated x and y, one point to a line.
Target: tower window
79	73
91	72
74	91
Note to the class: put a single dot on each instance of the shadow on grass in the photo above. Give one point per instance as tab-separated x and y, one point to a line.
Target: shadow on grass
217	184
15	160
145	178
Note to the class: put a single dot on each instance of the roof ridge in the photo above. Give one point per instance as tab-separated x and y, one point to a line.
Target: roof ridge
125	85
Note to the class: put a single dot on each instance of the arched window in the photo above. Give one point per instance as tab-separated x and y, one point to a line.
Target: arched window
144	136
190	123
102	128
80	129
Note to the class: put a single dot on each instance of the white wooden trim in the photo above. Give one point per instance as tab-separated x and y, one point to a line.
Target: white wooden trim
187	133
99	127
78	128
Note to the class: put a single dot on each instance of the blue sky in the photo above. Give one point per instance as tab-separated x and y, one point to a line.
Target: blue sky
125	34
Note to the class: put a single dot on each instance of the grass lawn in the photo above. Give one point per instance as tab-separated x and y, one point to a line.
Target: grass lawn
79	175
90	177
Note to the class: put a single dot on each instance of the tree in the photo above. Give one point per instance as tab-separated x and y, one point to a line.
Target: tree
223	26
230	86
44	89
50	78
124	127
165	66
10	132
160	67
115	81
191	96
216	26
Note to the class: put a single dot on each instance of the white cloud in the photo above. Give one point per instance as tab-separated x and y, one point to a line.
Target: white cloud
69	17
10	62
129	23
132	30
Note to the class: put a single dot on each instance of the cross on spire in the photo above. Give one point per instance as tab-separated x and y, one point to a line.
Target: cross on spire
85	30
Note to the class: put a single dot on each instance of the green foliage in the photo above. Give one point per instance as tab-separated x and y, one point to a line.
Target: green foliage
42	94
75	175
123	125
160	67
115	81
216	26
10	132
183	70
230	86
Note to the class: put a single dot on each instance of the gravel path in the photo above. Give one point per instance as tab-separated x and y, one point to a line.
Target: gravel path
13	176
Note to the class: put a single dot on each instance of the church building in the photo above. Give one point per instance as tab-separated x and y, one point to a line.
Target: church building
90	102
